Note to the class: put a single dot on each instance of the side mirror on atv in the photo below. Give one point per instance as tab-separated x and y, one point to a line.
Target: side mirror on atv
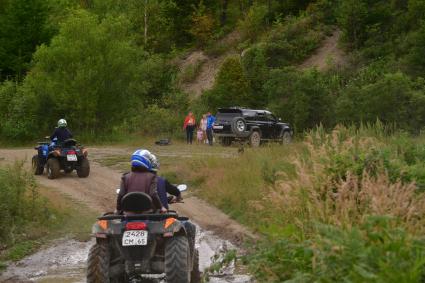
182	187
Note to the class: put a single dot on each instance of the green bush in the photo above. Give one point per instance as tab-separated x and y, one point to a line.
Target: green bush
230	87
20	204
373	252
300	98
252	25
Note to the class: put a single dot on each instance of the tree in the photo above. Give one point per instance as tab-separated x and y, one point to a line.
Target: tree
88	74
230	87
352	20
23	28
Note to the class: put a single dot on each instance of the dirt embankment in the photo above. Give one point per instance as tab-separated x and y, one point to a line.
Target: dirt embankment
327	54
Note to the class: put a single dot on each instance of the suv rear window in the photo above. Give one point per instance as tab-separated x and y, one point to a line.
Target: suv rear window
228	110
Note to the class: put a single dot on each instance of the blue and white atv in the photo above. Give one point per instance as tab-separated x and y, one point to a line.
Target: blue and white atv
67	156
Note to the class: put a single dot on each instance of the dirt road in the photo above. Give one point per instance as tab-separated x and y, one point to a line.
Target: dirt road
98	192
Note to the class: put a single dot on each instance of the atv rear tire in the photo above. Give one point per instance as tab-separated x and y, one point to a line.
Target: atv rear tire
37	168
53	168
195	275
255	139
177	260
83	170
98	264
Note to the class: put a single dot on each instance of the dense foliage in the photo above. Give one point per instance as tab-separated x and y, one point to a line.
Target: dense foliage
345	206
20	204
109	66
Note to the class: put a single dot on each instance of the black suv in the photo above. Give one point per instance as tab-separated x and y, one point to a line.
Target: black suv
250	125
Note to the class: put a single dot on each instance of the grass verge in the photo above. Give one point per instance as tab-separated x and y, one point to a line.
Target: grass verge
32	215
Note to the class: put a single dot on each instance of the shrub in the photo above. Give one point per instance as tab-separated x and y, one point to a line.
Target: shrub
230	87
20	203
253	23
376	251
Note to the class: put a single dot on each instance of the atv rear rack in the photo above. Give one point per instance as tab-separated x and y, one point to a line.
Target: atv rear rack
154	216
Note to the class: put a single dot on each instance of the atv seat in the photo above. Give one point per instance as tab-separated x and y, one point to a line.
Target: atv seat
68	143
137	202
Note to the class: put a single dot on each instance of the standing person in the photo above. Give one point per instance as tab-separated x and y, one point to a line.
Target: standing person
189	126
210	124
199	136
203	126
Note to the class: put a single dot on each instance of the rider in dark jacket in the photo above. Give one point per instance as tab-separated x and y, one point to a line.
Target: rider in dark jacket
61	133
164	187
140	179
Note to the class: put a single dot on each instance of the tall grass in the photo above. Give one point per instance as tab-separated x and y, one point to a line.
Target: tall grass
345	205
20	204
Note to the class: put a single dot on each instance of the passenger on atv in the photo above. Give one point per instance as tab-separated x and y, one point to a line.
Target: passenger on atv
164	187
140	179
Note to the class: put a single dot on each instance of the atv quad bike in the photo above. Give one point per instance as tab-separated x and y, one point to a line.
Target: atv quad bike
67	156
142	246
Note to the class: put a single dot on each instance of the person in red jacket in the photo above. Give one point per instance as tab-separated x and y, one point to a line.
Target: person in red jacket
189	125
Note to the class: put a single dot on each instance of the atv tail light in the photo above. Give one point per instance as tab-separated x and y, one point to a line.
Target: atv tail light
71	152
103	224
136	226
169	222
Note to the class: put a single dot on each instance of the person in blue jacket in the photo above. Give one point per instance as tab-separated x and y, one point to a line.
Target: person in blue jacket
210	124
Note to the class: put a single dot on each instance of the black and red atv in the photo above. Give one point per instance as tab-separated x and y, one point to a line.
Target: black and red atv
142	246
66	156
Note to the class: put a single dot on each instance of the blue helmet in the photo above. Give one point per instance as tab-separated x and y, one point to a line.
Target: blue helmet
141	158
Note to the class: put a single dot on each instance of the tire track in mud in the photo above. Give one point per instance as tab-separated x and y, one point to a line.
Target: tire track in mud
217	230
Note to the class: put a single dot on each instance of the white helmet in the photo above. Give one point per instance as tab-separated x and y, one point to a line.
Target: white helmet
62	123
154	162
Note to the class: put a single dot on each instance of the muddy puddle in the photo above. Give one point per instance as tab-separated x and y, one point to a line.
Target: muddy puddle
64	261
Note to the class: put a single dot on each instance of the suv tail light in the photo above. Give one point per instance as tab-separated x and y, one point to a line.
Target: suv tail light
136	226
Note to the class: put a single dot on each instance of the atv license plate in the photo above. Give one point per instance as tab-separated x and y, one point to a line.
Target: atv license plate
218	127
71	157
135	238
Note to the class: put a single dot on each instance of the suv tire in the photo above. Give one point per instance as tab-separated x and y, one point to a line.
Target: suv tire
255	139
286	138
238	126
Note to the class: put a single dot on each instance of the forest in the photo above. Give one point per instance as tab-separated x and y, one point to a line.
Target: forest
111	66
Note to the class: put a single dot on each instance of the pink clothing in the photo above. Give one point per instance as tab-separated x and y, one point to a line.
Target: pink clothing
200	135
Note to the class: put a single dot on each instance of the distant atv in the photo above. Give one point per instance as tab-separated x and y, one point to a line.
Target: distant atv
67	156
142	246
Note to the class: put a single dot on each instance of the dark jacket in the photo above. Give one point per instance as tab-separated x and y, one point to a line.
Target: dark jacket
61	134
165	187
144	182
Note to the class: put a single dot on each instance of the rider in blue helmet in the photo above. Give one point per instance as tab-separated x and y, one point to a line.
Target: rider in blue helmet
140	179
